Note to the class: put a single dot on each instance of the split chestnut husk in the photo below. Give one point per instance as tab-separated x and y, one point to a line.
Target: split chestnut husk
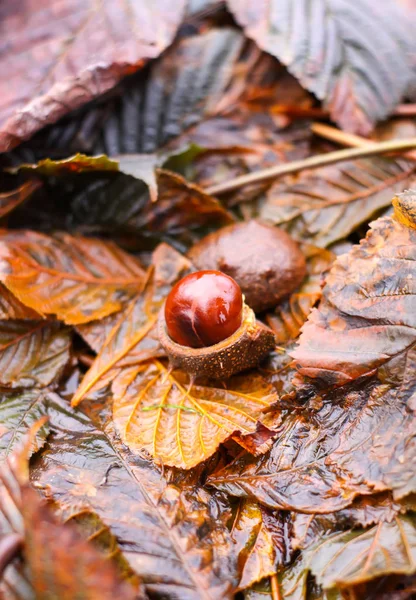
242	350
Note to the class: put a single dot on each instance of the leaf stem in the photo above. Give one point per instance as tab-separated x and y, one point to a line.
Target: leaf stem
312	162
274	583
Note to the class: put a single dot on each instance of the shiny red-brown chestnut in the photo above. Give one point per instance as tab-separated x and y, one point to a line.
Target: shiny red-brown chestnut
203	308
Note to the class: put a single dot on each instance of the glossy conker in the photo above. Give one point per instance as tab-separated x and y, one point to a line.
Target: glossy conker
203	309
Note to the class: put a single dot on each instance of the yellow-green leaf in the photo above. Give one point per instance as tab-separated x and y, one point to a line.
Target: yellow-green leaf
182	425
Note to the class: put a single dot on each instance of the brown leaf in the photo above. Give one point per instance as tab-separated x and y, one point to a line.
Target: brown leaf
141	167
368	312
32	353
291	314
324	205
125	340
181	424
12	308
9	200
19	411
262	542
77	51
358	442
181	206
176	540
331	51
61	564
352	557
78	279
67	566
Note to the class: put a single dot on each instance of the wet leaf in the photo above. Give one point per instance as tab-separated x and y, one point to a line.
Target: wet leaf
332	51
18	412
12	308
323	458
61	564
177	542
182	425
64	553
78	51
32	353
352	557
262	541
181	206
124	340
79	163
325	205
9	200
76	278
139	166
368	312
289	315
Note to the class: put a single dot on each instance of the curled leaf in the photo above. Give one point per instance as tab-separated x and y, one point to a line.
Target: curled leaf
262	542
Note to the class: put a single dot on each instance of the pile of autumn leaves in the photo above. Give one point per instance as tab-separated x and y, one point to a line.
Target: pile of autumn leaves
298	475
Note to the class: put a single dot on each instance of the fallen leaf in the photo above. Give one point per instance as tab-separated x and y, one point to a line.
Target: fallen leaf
290	315
352	557
61	563
19	411
9	200
324	205
322	459
181	424
32	353
124	340
368	312
331	50
141	167
181	207
78	279
177	542
77	51
12	308
262	542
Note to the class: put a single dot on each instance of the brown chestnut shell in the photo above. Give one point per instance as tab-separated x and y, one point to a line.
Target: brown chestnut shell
264	260
243	350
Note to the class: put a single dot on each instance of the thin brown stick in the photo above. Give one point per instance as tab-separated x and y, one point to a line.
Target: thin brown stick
85	359
405	110
340	137
348	139
312	163
274	583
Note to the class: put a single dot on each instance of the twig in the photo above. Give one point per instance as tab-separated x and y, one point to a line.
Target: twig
348	139
85	359
312	163
340	137
276	595
405	110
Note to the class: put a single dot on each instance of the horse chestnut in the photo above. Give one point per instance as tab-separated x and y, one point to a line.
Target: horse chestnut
203	308
264	260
